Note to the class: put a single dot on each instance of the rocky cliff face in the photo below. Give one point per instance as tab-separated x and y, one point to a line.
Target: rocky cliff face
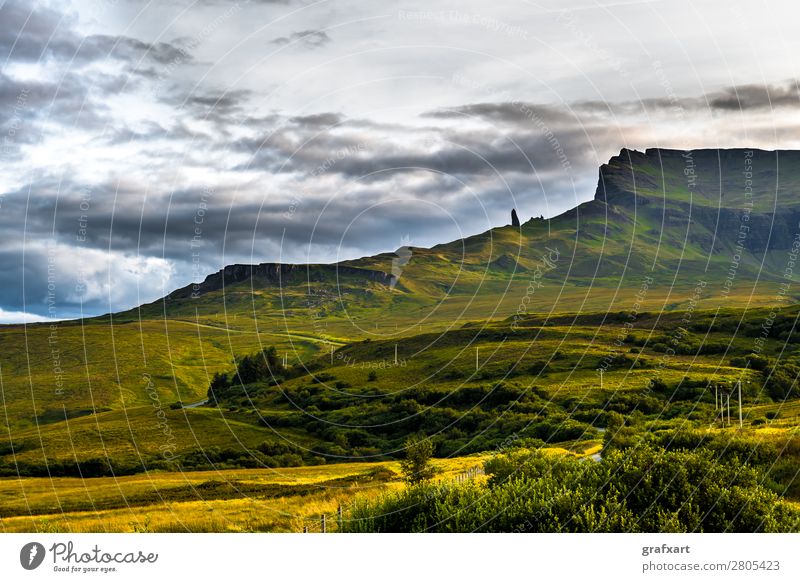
279	275
714	193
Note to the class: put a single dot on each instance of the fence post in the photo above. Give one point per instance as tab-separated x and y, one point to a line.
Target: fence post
305	529
322	522
339	517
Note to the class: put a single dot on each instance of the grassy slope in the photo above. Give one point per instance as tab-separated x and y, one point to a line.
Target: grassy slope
348	399
103	362
605	253
228	500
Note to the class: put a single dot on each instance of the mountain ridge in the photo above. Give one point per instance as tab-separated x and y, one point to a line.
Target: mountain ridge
677	209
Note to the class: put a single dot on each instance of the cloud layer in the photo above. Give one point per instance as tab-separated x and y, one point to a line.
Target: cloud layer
146	145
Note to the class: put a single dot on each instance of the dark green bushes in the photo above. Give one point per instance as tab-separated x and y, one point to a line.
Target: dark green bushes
640	490
263	366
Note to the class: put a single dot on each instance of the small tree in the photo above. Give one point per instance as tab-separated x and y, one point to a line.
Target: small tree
259	367
417	464
219	383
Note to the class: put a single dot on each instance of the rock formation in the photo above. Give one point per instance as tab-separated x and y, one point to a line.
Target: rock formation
514	218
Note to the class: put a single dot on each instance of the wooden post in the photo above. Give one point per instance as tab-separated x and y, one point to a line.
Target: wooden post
395	354
476	358
305	529
331	353
323	524
339	517
601	378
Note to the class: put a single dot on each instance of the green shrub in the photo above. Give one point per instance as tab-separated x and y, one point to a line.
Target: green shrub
645	489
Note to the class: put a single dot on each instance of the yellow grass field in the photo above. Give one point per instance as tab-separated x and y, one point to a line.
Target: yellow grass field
246	500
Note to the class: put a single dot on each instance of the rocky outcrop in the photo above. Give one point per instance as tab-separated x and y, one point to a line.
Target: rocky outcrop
722	192
280	275
514	218
506	263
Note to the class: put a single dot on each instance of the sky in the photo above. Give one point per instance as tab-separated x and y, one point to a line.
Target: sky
145	145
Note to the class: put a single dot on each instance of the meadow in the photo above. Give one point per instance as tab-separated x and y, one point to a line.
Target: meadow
248	500
279	443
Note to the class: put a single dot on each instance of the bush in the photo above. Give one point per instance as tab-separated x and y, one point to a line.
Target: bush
643	490
259	367
218	387
753	361
539	367
323	377
417	464
781	382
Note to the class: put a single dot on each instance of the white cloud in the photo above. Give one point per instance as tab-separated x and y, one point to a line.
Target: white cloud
19	317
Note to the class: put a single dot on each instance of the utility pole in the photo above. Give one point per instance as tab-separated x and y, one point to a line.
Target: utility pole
740	404
729	409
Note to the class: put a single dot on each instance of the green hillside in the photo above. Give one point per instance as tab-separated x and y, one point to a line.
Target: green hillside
622	329
662	235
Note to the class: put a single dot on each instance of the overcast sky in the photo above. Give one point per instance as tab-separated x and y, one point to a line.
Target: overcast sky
147	144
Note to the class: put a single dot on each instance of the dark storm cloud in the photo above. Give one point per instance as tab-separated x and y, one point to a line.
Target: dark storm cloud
129	49
224	109
529	148
32	32
747	97
504	112
67	102
318	121
75	98
33	271
734	98
309	38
